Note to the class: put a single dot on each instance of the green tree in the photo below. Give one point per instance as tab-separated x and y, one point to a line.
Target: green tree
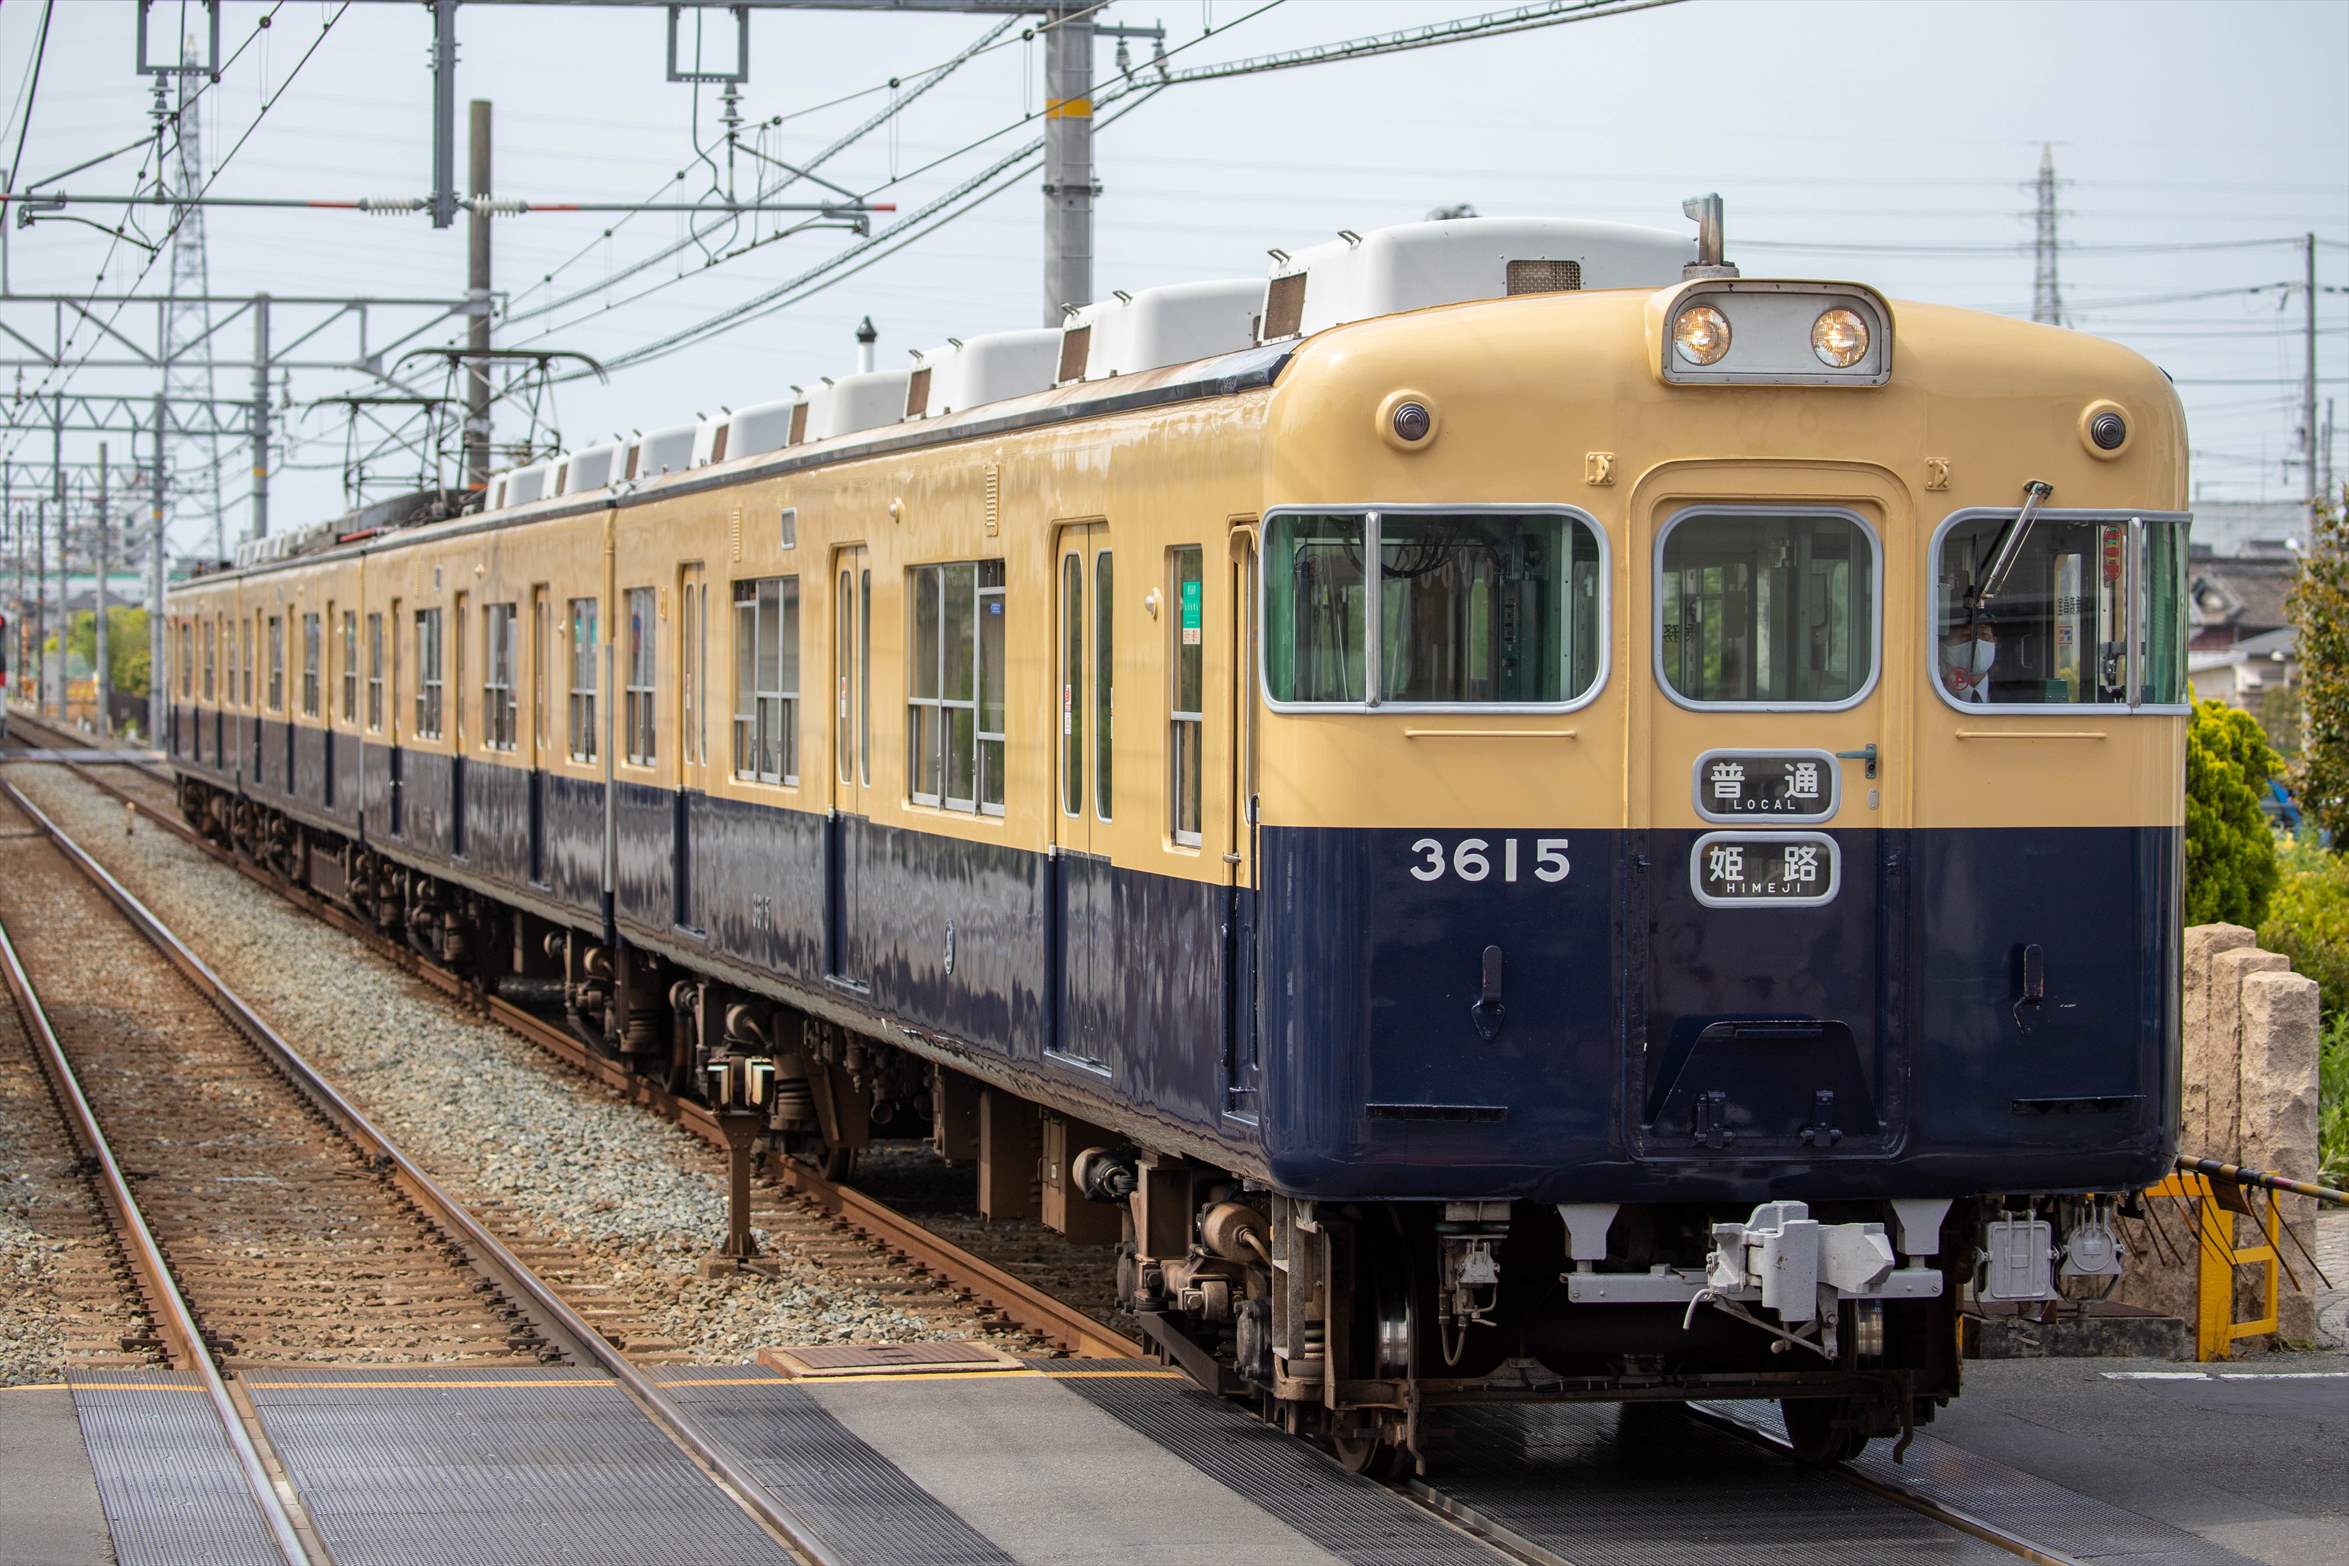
126	647
2319	610
2230	848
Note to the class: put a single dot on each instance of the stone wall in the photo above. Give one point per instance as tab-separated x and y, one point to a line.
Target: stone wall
2250	1046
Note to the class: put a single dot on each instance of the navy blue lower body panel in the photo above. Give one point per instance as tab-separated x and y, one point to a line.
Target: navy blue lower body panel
1643	1046
1544	1016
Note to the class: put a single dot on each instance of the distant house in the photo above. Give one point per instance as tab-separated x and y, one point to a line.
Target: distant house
2242	649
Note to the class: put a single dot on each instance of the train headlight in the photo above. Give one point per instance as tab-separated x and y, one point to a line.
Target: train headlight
1700	334
1840	338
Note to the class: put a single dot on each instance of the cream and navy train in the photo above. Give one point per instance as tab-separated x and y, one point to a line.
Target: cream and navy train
1510	811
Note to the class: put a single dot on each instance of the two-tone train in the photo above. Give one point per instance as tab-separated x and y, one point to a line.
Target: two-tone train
1513	813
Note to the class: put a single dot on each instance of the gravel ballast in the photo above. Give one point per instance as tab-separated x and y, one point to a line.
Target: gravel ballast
501	1124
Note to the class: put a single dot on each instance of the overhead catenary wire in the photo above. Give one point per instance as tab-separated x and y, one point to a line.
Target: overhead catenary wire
1148	79
933	76
20	431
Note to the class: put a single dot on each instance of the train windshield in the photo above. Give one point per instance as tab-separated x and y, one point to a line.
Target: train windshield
2059	631
1767	609
1464	608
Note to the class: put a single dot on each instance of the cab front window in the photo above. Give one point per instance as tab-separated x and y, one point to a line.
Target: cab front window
1766	609
1429	607
2089	612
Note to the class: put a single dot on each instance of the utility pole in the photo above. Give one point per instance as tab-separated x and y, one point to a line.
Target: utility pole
2308	436
40	652
260	416
103	675
1068	165
477	306
64	532
2047	299
2325	449
156	684
186	336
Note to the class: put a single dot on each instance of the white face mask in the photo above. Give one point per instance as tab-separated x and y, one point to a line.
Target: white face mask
1973	657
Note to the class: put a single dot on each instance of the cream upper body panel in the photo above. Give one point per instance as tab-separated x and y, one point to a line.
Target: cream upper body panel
1556	401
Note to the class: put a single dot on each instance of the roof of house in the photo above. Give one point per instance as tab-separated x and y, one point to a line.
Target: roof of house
2244	594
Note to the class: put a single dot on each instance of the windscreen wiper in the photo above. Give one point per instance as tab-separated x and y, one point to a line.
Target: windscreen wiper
2009	547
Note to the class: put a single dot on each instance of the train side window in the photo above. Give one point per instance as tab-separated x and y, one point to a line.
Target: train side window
946	676
844	619
1768	609
637	713
766	680
2162	630
991	716
313	649
428	674
276	663
497	676
1187	703
1488	607
350	666
187	661
245	662
582	736
1104	677
211	647
541	670
375	673
864	677
1072	682
2091	612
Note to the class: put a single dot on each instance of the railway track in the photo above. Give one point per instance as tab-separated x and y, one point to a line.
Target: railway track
911	1245
206	1264
858	1237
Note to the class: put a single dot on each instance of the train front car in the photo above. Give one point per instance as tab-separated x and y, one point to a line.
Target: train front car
1719	792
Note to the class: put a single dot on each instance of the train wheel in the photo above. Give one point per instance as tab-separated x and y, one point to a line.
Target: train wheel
1366	1451
1823	1431
811	1149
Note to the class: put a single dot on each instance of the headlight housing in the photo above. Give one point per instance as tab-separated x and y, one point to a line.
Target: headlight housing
1840	338
1700	334
1789	332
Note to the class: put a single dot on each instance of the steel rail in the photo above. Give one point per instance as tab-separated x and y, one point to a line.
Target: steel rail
513	1273
1020	1302
154	1267
1899	1494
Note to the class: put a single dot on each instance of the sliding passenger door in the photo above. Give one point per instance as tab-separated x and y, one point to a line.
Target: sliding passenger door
1772	920
847	839
693	723
1240	1039
1083	900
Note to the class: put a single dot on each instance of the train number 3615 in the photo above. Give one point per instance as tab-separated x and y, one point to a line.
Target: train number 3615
1473	859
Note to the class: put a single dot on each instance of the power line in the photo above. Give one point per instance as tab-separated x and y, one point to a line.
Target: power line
936	75
976	190
32	93
267	103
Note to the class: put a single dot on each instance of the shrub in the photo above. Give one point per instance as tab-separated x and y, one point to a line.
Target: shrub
2230	848
2332	1102
2308	917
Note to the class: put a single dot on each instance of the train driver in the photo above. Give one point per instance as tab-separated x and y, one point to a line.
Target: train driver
1966	659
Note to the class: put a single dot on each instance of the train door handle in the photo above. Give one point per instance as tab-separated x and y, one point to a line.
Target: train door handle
1487	1012
1866	753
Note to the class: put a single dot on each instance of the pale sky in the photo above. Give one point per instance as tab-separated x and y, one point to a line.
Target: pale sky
1891	143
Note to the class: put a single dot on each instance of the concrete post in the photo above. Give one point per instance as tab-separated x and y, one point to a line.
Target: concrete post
102	677
260	416
1068	166
158	660
477	273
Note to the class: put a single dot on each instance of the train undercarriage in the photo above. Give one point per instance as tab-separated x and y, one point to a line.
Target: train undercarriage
1352	1324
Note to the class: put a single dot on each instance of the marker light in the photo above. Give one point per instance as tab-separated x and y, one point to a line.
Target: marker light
1701	333
1840	338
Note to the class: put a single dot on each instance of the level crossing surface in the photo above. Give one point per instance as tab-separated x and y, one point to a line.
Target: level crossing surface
1065	1461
